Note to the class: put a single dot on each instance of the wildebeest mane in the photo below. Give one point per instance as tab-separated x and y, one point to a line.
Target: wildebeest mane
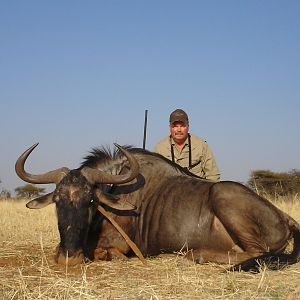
100	155
106	154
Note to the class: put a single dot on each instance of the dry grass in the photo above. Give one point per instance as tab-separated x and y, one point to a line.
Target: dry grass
28	239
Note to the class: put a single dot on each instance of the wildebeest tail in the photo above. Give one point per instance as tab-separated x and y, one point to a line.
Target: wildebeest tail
274	261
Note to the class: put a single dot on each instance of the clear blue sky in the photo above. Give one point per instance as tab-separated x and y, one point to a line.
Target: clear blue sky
80	74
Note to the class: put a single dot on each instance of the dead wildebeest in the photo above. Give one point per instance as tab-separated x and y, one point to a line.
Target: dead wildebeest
163	208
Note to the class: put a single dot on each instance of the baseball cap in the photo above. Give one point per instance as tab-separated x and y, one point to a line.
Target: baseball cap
179	115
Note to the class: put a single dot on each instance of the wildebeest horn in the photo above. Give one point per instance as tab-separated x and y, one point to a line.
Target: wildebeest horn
54	176
97	176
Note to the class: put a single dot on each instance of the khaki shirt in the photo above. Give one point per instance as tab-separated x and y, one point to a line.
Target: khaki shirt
202	157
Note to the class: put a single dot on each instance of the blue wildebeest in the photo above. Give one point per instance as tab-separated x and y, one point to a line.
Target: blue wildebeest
162	208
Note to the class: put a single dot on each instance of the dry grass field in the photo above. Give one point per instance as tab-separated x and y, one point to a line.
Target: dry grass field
27	271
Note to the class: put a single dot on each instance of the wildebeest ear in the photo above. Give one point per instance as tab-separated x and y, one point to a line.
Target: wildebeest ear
113	201
41	202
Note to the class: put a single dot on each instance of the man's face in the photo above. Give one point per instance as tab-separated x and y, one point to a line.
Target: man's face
179	132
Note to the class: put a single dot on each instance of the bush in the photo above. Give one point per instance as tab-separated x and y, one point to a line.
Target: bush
275	183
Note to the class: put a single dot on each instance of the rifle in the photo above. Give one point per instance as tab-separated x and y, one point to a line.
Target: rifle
145	129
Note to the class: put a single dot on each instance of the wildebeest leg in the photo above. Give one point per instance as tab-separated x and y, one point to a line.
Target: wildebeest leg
238	230
116	253
221	248
217	256
101	254
108	254
111	243
253	223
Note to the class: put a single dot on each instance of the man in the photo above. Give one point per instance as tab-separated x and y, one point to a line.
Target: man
188	150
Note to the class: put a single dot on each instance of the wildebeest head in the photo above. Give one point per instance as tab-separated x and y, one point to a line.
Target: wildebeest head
76	196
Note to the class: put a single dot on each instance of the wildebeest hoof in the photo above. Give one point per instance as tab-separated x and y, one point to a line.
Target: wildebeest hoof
100	254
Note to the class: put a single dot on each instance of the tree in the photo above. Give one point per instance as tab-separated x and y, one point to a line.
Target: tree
29	191
278	183
5	194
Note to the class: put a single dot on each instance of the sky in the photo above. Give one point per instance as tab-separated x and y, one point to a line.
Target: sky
80	74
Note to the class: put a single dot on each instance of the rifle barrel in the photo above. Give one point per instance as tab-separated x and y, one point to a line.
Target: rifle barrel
145	129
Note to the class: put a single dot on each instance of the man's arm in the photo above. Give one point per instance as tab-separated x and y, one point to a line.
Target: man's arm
210	166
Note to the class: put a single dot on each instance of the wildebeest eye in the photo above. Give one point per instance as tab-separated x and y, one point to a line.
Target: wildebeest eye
94	202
